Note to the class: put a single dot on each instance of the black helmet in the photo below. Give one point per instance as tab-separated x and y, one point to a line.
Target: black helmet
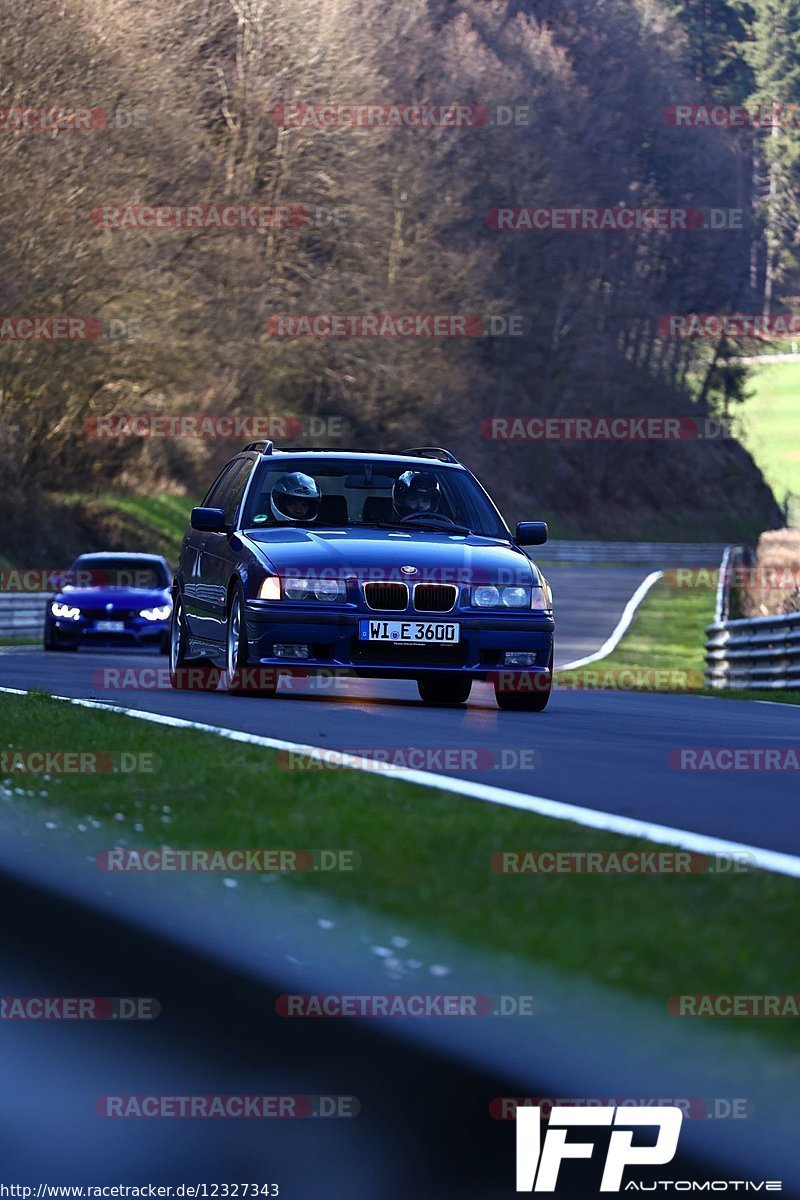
295	497
416	492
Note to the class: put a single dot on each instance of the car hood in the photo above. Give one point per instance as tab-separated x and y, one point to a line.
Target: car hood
118	598
381	553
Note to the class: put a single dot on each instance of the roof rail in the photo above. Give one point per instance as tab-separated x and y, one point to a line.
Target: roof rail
265	447
431	452
314	450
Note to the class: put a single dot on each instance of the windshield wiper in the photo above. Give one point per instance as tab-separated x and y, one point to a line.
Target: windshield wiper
421	522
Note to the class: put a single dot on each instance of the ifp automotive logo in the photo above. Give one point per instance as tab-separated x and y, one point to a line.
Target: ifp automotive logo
539	1160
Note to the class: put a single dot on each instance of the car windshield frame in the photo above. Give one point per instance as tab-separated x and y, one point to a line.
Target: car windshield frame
472	509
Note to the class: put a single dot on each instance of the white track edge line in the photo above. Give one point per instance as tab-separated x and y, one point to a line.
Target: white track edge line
623	624
590	818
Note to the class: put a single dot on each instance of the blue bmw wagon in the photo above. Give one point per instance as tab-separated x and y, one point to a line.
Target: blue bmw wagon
378	565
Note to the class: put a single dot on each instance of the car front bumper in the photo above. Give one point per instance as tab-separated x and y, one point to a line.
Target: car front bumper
333	642
137	633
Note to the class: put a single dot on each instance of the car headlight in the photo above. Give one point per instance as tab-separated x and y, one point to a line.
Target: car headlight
66	611
156	614
542	597
270	589
328	591
489	596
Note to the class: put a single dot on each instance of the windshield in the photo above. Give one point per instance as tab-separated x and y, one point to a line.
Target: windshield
132	573
359	492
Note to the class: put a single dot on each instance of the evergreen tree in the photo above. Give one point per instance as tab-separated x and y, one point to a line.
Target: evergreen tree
717	31
774	55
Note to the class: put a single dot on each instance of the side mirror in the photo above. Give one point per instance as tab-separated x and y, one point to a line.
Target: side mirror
208	520
531	533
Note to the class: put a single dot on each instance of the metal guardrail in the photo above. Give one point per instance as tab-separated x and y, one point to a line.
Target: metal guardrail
757	652
23	613
647	554
750	652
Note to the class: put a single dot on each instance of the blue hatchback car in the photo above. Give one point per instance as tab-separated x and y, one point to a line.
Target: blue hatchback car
111	600
380	565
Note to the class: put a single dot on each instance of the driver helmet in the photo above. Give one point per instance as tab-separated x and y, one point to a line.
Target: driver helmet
295	497
416	492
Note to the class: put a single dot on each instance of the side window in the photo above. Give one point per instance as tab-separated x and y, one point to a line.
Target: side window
235	491
214	493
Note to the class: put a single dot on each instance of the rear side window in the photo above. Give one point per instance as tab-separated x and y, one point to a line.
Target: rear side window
235	491
214	493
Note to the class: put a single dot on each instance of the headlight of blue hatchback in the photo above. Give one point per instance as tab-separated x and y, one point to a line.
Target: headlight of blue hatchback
66	612
489	596
156	614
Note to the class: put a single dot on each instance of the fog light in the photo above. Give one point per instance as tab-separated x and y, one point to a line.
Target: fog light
519	658
288	650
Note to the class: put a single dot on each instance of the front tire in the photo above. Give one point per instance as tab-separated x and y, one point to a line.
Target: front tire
527	701
445	690
55	647
186	674
238	679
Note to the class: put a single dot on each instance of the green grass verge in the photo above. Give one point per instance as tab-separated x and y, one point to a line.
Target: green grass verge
668	633
668	630
769	426
165	516
425	858
149	523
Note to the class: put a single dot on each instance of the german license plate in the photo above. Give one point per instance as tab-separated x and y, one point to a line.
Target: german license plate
109	626
409	632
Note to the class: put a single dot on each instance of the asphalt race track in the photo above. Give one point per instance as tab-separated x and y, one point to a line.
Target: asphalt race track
605	750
